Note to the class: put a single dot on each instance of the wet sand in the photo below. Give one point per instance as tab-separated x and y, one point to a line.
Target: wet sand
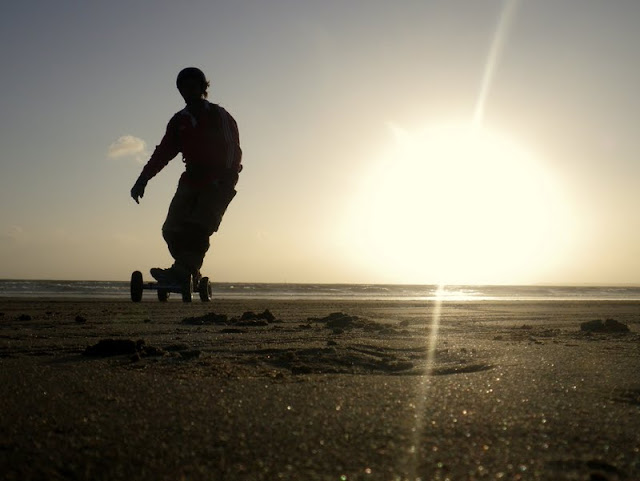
104	390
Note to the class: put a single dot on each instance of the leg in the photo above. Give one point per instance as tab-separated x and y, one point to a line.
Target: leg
173	232
188	246
193	217
204	220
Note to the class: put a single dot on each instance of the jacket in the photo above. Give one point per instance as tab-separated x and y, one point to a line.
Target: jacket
209	143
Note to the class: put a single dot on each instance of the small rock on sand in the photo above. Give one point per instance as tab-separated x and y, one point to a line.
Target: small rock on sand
609	325
210	318
340	320
117	347
111	347
252	316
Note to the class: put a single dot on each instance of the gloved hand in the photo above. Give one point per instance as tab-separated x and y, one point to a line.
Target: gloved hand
137	191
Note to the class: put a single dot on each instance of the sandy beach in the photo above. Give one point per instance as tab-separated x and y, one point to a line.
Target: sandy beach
318	390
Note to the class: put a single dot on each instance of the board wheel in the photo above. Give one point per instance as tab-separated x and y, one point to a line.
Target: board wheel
204	289
163	295
136	286
187	289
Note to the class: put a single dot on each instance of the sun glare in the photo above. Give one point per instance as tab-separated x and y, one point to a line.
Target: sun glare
458	205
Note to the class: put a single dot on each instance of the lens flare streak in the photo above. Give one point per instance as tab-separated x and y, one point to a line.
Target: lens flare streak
420	405
500	34
504	23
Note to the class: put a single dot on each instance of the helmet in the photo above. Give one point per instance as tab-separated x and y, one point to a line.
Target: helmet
191	72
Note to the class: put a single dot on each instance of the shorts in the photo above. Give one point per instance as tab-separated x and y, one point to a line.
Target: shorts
201	207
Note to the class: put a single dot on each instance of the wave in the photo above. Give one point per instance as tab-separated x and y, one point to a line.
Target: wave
120	289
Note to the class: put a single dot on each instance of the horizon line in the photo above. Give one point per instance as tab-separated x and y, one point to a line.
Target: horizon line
435	284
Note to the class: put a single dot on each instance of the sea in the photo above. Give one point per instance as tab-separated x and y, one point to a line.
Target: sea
121	290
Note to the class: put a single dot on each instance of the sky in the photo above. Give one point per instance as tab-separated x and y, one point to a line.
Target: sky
431	141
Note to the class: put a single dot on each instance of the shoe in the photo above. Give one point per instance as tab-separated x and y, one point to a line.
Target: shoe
163	275
173	274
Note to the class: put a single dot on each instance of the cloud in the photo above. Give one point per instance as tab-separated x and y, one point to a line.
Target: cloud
15	234
128	146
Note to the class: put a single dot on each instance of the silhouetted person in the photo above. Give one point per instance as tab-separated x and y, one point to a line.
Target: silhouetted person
207	136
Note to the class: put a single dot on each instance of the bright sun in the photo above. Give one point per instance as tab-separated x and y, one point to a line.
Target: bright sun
457	205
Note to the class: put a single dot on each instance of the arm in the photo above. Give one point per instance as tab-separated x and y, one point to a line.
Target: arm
169	147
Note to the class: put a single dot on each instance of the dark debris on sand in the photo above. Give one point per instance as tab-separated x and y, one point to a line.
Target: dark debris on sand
118	347
608	326
248	319
341	321
252	316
